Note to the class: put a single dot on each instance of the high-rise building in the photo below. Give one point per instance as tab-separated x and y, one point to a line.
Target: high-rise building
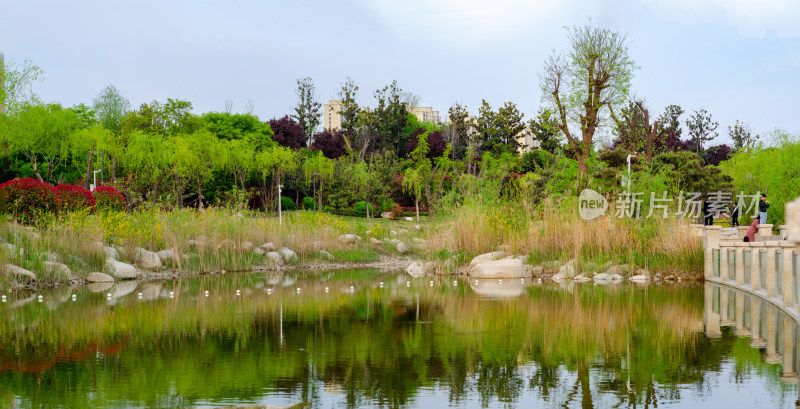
425	114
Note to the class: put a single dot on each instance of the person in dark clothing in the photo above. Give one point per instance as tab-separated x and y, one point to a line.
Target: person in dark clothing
735	215
763	205
708	218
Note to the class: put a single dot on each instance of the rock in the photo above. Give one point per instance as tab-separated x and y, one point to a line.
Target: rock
51	256
99	287
602	277
643	272
616	277
146	259
416	269
402	248
536	271
18	272
373	240
418	227
507	268
324	254
246	246
288	255
275	257
581	278
99	278
640	278
349	238
259	251
268	247
408	219
120	270
57	269
567	270
392	233
486	257
616	269
388	215
111	253
166	255
524	259
150	291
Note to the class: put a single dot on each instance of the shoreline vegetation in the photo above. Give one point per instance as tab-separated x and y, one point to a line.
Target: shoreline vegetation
154	244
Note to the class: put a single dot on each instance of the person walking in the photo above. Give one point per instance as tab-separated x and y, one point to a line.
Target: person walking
708	218
735	215
763	205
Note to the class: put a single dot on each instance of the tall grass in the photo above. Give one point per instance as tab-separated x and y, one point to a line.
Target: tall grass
556	234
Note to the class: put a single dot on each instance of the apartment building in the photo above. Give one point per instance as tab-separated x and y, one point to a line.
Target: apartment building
333	120
426	114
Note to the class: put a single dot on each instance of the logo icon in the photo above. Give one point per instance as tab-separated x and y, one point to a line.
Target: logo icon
591	204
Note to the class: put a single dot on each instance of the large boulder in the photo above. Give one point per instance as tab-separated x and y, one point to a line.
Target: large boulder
505	268
57	269
146	259
287	254
349	238
565	271
120	270
259	251
111	253
640	278
165	255
269	247
416	269
97	277
373	240
13	271
495	255
402	248
275	257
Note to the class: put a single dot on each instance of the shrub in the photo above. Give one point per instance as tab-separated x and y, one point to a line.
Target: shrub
29	199
309	203
360	208
328	209
108	198
74	198
287	203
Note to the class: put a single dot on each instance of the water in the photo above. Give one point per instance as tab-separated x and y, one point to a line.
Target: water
363	338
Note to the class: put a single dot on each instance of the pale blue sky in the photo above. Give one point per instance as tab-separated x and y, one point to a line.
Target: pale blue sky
738	59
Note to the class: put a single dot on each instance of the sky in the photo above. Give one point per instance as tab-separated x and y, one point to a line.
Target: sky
738	59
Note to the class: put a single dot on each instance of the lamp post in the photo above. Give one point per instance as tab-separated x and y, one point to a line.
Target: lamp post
94	185
629	172
102	181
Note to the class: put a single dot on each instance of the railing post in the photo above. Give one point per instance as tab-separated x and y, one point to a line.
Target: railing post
787	282
772	248
740	330
724	274
755	260
710	242
710	318
755	324
765	230
724	301
773	357
739	266
784	230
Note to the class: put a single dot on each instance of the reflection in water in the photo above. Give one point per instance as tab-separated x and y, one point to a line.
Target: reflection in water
358	338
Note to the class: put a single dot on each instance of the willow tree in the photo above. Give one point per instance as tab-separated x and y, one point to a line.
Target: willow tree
317	165
274	162
595	74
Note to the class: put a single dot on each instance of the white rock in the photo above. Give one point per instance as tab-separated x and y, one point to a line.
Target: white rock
349	238
402	248
275	257
409	219
387	215
120	270
416	269
111	253
373	240
166	255
495	255
507	268
640	278
393	233
269	247
602	277
146	259
616	277
567	270
99	278
58	269
324	254
581	278
288	255
259	251
18	272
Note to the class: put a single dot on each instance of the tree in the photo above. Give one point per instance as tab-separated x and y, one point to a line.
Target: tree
460	129
669	121
321	167
350	109
741	135
308	110
274	162
288	132
544	128
111	107
41	134
389	117
717	154
16	85
701	128
205	146
497	131
436	142
416	177
331	143
239	126
636	133
596	74
149	156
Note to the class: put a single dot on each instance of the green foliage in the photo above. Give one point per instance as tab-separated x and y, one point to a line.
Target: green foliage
360	208
308	110
309	203
684	171
498	131
287	203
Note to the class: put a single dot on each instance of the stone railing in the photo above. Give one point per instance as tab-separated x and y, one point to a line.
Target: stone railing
768	267
767	326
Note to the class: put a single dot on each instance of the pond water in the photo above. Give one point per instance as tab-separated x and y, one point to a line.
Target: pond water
363	338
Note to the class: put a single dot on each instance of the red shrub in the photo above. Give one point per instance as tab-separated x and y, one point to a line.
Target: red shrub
74	198
29	199
107	197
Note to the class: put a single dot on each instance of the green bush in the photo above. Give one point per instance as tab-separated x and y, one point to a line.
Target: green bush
360	208
309	203
328	209
287	203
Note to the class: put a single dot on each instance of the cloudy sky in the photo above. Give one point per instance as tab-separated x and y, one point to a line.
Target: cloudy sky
738	59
